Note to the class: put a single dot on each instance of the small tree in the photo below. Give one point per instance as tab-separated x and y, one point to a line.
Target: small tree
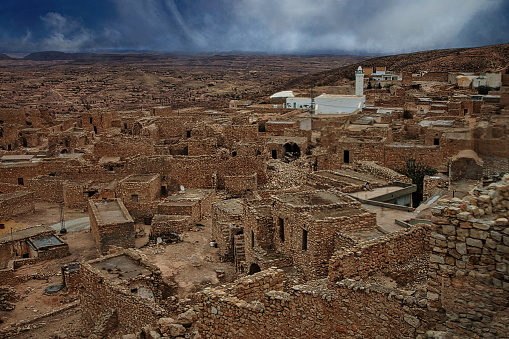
416	171
407	114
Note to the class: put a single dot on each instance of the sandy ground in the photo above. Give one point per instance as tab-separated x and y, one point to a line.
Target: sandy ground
192	263
45	214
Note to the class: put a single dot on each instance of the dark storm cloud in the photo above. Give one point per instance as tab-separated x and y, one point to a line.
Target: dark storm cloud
282	26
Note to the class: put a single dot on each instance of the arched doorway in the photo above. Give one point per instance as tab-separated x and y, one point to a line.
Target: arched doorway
292	151
254	268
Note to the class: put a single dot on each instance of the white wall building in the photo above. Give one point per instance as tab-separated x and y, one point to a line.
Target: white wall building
493	80
339	104
299	103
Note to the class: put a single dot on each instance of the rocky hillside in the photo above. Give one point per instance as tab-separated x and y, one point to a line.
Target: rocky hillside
5	57
476	59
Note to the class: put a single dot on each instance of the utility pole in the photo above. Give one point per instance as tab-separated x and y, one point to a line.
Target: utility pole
63	230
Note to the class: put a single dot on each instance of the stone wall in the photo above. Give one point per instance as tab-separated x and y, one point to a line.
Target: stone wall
382	172
143	187
190	208
74	195
109	231
469	264
351	309
13	204
142	211
432	185
226	220
123	146
10	188
103	297
47	188
240	184
381	253
307	232
165	224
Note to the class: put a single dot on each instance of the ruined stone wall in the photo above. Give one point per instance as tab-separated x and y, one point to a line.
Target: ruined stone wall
468	278
180	208
243	165
206	204
99	122
351	309
10	137
381	253
236	133
147	190
432	185
11	173
47	188
10	188
123	146
327	161
142	211
275	128
74	195
54	252
165	224
175	126
435	76
101	298
194	172
223	221
498	147
383	172
17	203
259	220
9	277
63	168
310	241
361	150
396	156
12	116
206	146
240	184
198	171
110	234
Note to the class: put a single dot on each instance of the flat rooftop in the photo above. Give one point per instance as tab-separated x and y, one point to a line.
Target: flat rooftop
311	198
190	194
122	267
111	212
16	157
386	217
26	233
351	177
46	241
337	213
232	206
140	178
375	192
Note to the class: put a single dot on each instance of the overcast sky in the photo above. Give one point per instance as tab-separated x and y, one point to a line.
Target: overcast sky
271	26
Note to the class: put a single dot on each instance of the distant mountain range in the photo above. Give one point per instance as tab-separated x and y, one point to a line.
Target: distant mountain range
478	59
95	57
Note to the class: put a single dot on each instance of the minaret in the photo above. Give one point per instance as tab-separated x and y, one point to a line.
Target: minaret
359	81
